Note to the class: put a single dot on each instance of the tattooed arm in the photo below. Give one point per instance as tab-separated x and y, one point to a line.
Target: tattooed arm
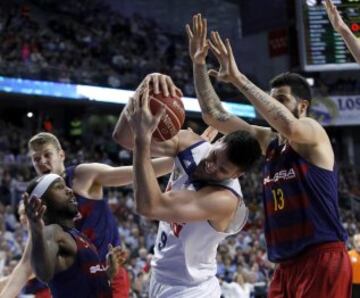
302	131
213	112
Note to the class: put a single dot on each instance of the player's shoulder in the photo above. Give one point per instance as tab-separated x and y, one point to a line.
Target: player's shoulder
187	138
53	231
219	197
311	121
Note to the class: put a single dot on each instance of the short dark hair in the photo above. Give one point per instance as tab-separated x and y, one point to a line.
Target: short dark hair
243	150
300	88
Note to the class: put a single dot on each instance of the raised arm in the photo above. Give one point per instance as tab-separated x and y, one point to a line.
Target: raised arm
213	112
19	276
122	133
302	131
45	248
90	178
351	41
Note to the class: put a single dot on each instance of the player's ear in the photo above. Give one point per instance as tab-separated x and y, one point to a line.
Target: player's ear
303	107
62	154
239	173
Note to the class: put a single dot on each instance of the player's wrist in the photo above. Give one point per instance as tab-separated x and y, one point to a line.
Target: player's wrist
142	140
199	61
238	79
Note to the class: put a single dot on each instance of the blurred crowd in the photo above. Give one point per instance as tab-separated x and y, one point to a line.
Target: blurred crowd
243	267
85	42
88	43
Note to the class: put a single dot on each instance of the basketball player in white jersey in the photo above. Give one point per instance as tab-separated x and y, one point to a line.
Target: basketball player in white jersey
202	205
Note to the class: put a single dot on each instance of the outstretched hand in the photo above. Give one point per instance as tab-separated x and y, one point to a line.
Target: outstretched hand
334	16
34	211
197	36
228	71
115	258
141	120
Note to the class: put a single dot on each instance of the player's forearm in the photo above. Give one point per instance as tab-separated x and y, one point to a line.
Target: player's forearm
42	260
16	281
19	277
209	101
122	133
162	166
352	42
147	191
276	114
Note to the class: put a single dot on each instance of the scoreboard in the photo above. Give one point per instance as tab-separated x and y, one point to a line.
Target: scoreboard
321	47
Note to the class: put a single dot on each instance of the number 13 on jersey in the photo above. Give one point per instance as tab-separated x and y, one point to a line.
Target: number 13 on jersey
278	196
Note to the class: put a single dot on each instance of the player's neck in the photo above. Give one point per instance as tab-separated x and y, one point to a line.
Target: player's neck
61	221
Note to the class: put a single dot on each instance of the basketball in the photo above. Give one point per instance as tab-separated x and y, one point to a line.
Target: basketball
174	116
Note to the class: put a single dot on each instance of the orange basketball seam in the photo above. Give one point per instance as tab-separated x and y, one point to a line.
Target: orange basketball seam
168	109
160	134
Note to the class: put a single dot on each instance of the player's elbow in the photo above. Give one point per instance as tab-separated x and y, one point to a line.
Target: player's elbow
146	211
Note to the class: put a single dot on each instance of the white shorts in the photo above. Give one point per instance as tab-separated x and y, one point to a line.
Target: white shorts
208	289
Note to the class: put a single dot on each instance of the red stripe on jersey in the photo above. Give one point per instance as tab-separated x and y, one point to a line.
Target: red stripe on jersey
289	234
290	204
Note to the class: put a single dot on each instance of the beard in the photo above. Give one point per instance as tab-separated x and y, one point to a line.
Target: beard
69	211
295	113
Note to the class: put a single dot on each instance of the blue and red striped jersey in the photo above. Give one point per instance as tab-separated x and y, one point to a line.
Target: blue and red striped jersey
300	203
96	220
86	277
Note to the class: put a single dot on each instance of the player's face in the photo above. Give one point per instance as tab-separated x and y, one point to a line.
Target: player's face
47	159
61	199
283	95
216	166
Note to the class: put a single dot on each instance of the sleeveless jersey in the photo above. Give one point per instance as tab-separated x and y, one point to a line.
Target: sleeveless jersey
86	277
35	286
185	253
300	203
96	221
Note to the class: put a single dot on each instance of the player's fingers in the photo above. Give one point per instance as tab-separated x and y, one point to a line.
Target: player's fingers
220	42
155	83
171	86
25	197
145	98
204	31
189	32
200	25
214	49
229	48
159	115
164	85
194	24
213	73
210	133
42	211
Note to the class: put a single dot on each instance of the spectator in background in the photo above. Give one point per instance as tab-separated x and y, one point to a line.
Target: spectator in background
355	262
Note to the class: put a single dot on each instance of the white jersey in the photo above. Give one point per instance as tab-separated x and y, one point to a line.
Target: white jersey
185	253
